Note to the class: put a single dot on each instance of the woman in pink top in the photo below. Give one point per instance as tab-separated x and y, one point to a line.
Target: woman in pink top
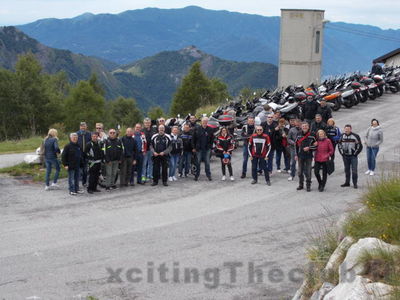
323	153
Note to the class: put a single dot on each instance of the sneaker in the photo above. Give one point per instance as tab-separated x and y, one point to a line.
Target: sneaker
300	187
196	178
243	175
85	185
108	189
114	187
97	191
279	171
165	183
181	175
345	185
308	189
356	186
232	178
174	178
209	178
170	179
223	178
79	192
144	179
372	173
254	181
47	188
90	191
368	172
55	186
268	183
154	184
72	193
290	178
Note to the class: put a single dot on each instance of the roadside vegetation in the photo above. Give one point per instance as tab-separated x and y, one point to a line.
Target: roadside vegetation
25	145
35	172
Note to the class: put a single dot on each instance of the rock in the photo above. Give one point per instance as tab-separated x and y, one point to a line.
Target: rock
321	293
300	291
336	258
359	289
350	266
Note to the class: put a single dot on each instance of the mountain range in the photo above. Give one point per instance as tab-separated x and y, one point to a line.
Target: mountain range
133	35
151	81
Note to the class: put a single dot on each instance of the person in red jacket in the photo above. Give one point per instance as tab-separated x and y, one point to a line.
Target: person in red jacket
323	153
224	145
259	148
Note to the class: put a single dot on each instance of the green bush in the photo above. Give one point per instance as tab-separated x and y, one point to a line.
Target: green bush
36	172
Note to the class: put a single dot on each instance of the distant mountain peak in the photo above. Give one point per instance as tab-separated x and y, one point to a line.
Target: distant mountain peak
192	51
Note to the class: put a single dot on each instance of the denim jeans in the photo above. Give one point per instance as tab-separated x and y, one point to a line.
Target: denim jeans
84	171
173	163
49	164
185	163
73	180
286	158
372	152
256	163
270	162
203	155
147	169
350	168
245	157
138	168
293	162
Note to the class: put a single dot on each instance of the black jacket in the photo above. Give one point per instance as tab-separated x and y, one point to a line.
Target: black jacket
187	141
94	152
310	109
71	156
113	150
305	140
325	112
84	137
270	130
377	69
247	132
176	144
350	145
161	143
149	133
129	146
202	138
278	138
317	126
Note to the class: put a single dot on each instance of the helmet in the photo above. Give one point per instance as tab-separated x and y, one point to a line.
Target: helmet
226	159
300	96
291	99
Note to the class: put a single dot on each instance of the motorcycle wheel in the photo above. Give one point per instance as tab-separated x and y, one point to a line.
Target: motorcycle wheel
380	91
357	98
373	94
394	89
348	103
364	96
337	104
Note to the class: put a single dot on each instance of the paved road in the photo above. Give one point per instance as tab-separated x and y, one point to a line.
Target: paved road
8	160
56	247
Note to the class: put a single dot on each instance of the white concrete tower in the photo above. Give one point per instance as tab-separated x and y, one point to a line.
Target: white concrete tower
300	48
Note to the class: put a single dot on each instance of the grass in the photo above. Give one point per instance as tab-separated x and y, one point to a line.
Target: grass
208	109
36	172
25	145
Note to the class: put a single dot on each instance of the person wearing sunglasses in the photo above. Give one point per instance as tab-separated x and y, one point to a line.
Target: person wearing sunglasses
259	147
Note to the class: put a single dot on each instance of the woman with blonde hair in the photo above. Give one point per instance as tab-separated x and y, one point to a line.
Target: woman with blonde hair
51	150
333	133
323	153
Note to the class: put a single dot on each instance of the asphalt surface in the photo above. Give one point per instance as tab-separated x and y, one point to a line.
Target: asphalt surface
8	160
54	246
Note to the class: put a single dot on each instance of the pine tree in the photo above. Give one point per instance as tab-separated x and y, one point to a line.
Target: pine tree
124	111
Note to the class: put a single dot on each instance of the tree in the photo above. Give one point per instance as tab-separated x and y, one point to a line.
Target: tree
124	111
155	112
97	86
83	104
197	90
12	118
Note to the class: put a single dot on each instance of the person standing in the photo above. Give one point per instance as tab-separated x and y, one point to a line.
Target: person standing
95	156
147	169
128	158
140	150
247	131
280	141
376	69
373	139
84	137
350	146
161	121
113	153
51	150
333	133
161	146
294	131
71	159
323	153
176	152
305	144
310	109
224	146
270	127
185	162
325	111
102	136
259	146
317	124
203	138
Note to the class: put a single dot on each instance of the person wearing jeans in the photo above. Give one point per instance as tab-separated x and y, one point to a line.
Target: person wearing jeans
305	144
176	152
247	132
373	139
84	137
140	150
51	150
113	154
258	147
147	168
71	159
291	139
323	153
350	146
280	138
186	158
202	141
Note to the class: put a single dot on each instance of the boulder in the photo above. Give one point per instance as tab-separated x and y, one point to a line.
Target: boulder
336	258
323	291
350	266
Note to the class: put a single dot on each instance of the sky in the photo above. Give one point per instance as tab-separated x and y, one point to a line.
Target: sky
382	13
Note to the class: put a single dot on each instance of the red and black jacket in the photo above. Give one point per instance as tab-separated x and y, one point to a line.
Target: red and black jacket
225	144
259	145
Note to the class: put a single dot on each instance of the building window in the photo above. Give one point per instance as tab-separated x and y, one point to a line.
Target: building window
317	38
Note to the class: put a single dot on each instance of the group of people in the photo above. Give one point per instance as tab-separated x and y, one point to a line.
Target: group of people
150	153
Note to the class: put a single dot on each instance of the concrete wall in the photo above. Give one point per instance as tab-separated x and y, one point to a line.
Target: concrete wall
300	53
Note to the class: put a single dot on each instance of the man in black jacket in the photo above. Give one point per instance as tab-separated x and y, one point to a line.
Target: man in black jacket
128	158
71	159
317	124
113	152
203	137
270	127
310	109
161	146
325	111
95	156
305	144
247	132
350	146
84	137
185	162
147	169
376	69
